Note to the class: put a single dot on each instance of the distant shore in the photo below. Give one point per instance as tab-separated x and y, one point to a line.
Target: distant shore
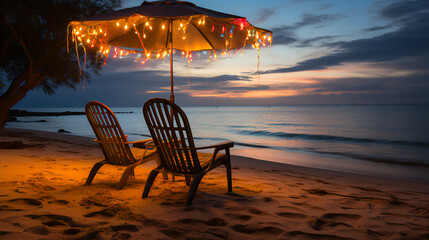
25	113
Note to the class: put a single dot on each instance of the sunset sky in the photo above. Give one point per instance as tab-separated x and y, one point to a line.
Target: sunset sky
323	52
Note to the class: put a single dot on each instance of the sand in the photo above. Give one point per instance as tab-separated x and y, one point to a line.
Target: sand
43	196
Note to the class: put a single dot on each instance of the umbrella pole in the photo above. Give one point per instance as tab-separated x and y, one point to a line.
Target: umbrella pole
170	35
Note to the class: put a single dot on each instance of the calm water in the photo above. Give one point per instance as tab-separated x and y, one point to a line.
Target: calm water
390	140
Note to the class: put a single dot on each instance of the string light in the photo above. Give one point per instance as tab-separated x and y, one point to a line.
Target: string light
95	36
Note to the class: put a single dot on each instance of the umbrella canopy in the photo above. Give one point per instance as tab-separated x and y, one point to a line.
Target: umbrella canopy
154	29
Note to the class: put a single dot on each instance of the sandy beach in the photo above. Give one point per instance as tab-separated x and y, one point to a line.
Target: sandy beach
43	196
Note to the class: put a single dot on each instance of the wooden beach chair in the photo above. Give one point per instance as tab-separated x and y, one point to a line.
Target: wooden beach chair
172	137
113	142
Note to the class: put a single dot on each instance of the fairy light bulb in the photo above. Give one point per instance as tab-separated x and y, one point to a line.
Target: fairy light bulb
146	24
144	35
126	27
163	27
117	24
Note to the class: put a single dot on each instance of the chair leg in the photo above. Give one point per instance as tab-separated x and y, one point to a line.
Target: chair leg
188	180
165	176
194	186
127	172
149	182
94	171
228	170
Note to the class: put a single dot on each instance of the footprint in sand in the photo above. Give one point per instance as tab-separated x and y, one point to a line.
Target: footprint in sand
125	227
173	233
256	229
211	222
292	215
54	223
56	220
61	202
71	231
39	230
305	235
334	220
255	211
9	208
239	216
26	201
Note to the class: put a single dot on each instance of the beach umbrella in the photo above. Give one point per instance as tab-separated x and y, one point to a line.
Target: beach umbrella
157	29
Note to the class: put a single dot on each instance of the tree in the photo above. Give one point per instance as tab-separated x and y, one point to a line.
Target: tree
33	47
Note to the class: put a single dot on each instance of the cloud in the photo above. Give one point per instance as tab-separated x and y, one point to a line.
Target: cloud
404	8
411	40
263	14
309	42
285	35
318	20
378	28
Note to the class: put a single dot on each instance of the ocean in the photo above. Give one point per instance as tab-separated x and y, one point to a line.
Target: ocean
384	140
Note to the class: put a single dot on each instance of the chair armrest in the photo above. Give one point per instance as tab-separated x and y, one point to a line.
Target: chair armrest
139	141
219	146
150	144
132	142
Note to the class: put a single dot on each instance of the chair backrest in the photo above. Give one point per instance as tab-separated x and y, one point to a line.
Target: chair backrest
171	133
109	133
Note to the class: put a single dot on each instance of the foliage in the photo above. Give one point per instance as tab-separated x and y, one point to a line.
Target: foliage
34	32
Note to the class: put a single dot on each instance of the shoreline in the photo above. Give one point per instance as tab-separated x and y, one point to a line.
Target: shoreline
42	195
305	159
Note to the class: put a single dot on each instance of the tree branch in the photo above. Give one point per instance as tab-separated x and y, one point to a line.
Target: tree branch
21	42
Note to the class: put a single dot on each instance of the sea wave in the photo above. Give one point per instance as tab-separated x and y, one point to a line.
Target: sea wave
291	124
317	137
405	162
